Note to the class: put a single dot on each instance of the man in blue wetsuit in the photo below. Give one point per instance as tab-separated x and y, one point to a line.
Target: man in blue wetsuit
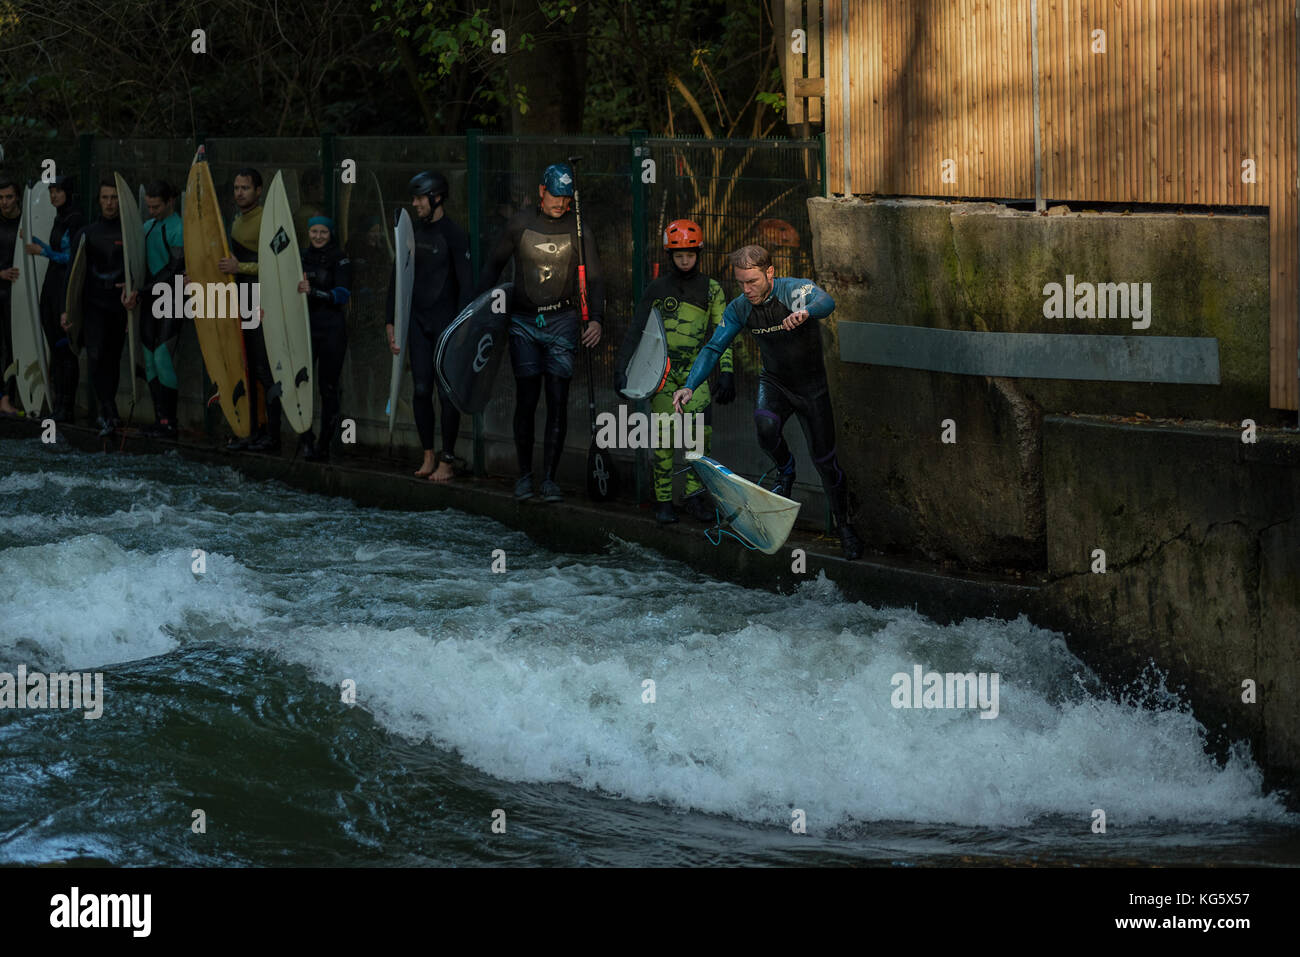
545	324
793	378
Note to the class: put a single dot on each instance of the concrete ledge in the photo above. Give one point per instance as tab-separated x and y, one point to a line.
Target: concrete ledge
576	525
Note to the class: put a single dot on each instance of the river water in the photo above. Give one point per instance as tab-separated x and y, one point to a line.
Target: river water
519	697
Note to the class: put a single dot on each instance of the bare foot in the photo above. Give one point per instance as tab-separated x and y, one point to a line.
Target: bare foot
7	407
426	469
443	473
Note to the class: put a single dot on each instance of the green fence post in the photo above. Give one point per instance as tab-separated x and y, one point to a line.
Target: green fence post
327	173
210	412
640	152
89	185
474	172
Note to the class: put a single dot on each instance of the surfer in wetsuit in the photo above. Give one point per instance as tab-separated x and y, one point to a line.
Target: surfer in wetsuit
328	285
245	231
164	260
65	369
442	287
103	326
690	304
10	218
544	317
793	378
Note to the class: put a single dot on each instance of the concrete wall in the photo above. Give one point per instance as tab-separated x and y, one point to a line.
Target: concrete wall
1201	534
981	267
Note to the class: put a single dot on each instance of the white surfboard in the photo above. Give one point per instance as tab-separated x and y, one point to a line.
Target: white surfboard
286	322
404	241
31	353
760	517
134	262
649	365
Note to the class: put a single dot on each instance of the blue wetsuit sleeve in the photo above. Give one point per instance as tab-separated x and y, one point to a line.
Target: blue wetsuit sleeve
816	300
713	349
49	252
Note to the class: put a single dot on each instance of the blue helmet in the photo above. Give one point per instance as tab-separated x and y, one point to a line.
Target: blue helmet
558	179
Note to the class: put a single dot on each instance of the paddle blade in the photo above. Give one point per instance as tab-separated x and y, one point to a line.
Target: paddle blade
602	476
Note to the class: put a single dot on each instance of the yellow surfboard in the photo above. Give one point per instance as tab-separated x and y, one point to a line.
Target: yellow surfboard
220	337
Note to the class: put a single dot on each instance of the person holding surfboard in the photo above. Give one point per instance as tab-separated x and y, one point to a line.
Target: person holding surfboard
164	245
103	319
65	369
690	305
328	285
793	377
442	286
10	219
545	327
245	231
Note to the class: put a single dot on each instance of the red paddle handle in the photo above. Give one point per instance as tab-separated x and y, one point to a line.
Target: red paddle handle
582	290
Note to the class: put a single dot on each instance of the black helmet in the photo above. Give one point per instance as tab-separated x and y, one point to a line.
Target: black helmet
429	184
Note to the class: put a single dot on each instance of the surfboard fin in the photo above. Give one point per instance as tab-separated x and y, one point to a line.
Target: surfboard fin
240	391
10	371
274	392
301	377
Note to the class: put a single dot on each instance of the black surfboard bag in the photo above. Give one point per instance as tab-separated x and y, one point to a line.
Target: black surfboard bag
470	351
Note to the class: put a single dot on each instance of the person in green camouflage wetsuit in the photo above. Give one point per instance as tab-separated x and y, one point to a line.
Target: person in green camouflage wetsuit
691	306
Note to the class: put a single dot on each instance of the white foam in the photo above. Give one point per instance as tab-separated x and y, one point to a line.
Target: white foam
86	602
788	709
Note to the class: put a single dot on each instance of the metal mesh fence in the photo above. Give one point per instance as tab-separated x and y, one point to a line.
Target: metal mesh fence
738	191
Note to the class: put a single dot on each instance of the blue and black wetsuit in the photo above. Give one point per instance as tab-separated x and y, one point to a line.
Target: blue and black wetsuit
544	320
164	245
443	286
329	271
8	240
65	369
792	381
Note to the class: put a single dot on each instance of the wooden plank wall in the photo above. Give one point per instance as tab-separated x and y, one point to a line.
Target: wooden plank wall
1185	93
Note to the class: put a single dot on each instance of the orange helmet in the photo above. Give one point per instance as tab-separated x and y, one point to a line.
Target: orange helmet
683	234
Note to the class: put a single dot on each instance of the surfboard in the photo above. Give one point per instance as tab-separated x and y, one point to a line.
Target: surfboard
133	259
761	518
76	293
286	323
220	339
470	350
404	239
31	355
648	368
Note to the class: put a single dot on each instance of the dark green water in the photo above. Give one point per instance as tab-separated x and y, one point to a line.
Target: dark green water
523	692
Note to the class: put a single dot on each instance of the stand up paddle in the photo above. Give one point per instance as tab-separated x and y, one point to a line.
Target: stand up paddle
602	479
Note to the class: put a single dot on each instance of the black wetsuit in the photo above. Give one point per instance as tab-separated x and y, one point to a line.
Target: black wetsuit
103	329
443	286
8	239
65	369
793	379
329	271
545	320
245	230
